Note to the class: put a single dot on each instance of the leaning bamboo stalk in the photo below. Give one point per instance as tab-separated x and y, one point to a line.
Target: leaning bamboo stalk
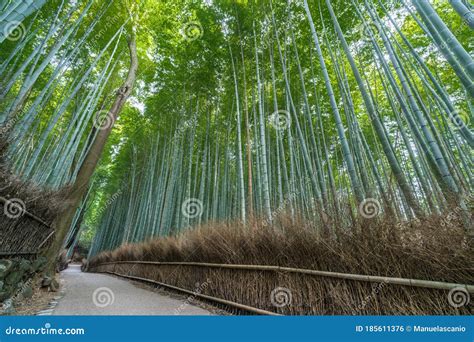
438	285
89	164
464	12
428	14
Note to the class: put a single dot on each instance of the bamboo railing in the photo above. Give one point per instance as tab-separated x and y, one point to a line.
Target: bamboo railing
347	276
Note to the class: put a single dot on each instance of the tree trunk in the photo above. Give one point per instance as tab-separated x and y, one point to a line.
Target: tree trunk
64	220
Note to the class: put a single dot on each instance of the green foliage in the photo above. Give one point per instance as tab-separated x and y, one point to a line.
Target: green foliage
177	136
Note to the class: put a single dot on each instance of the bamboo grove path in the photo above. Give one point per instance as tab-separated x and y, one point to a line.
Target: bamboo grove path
98	294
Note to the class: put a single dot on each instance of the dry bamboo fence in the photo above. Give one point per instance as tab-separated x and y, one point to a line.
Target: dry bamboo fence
22	233
305	291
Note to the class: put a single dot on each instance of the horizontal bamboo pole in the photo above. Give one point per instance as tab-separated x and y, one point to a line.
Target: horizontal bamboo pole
347	276
4	201
18	253
214	299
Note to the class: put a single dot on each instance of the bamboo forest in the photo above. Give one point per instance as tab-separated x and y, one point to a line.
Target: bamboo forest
295	157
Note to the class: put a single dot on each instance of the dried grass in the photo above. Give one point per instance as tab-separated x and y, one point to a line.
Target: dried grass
432	249
18	231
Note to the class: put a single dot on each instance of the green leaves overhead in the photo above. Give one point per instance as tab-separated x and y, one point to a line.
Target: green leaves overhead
243	107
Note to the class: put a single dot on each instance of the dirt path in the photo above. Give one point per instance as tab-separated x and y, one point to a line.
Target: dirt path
97	294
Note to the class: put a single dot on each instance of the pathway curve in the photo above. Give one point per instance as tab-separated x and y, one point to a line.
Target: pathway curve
98	294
